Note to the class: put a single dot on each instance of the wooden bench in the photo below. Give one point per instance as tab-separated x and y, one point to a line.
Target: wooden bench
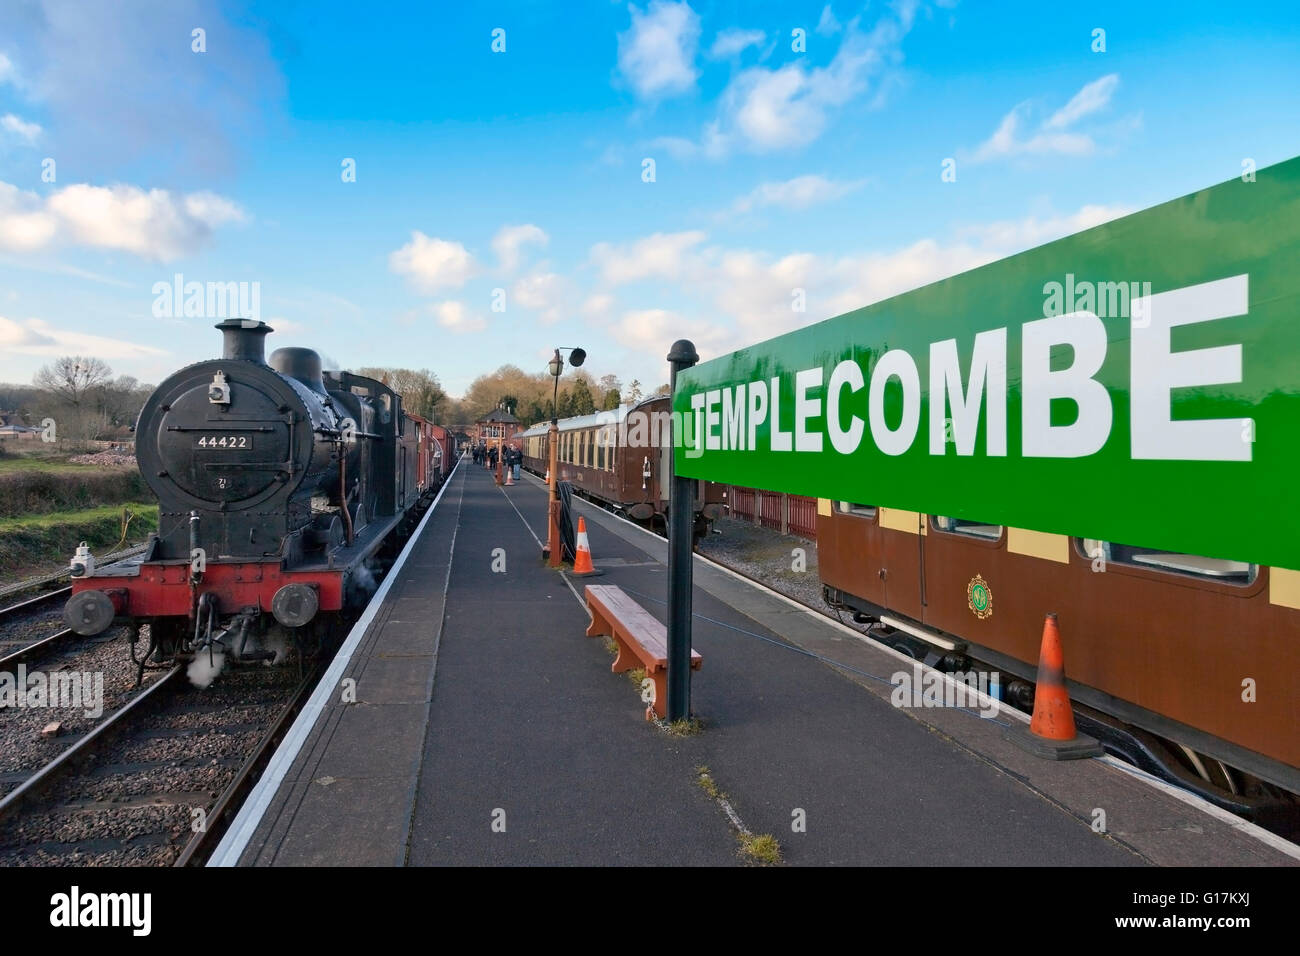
642	640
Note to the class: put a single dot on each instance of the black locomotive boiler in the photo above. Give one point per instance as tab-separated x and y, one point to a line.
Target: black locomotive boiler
278	486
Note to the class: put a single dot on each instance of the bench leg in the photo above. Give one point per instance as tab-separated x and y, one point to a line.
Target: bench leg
598	626
660	706
626	659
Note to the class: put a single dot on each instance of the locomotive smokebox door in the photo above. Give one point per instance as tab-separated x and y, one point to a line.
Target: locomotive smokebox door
228	454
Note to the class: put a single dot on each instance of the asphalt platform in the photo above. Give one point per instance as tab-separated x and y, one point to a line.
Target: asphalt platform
486	729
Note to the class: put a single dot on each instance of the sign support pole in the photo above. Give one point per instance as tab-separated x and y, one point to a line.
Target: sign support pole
681	515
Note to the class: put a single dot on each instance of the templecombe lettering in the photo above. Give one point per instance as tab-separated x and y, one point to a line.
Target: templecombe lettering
769	415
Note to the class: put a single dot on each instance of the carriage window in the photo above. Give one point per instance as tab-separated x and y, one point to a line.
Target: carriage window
1175	562
853	508
973	529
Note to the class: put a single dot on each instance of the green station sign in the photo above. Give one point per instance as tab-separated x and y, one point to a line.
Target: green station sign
1138	383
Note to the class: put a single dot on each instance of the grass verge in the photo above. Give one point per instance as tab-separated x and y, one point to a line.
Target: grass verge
32	540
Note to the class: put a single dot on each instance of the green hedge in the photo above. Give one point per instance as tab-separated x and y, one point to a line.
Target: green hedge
39	491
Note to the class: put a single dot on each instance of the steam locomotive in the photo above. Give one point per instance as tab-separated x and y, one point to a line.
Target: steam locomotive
280	486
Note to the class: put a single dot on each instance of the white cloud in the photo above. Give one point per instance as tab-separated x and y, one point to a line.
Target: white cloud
1020	234
757	291
729	43
59	268
155	225
656	55
285	326
1093	97
509	240
662	255
1052	136
16	337
119	82
598	305
38	337
677	147
545	292
787	107
25	223
27	132
650	332
455	317
827	25
798	193
431	264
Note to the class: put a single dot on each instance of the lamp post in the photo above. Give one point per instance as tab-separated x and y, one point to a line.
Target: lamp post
556	367
681	514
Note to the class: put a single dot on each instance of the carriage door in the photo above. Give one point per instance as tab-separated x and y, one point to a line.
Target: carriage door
901	557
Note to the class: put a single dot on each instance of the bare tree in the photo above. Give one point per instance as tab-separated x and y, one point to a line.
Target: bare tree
72	379
74	385
421	393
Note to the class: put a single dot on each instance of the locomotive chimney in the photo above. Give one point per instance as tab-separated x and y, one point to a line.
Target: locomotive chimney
243	339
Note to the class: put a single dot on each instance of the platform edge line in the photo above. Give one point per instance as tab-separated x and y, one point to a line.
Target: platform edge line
241	831
414	793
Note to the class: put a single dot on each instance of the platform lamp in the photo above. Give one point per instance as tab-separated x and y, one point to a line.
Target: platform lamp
556	367
500	441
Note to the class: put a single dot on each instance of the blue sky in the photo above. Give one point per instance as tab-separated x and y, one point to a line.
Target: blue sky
775	169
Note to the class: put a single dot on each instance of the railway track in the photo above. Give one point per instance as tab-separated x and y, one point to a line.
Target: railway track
29	623
33	626
141	775
156	782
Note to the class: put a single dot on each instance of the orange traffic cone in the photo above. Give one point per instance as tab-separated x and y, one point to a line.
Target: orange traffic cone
510	473
1051	732
582	566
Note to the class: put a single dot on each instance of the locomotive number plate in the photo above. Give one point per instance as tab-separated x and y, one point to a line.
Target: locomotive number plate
237	442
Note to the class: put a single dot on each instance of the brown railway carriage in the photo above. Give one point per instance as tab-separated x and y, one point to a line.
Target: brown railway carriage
621	458
1201	652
